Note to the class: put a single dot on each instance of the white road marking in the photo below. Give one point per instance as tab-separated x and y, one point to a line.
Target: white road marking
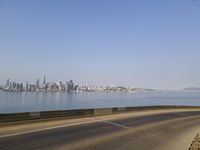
61	126
67	125
116	124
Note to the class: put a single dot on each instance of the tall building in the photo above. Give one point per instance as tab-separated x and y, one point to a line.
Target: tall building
44	80
37	84
82	86
14	85
21	87
67	86
60	85
27	86
7	83
76	87
17	86
71	85
10	85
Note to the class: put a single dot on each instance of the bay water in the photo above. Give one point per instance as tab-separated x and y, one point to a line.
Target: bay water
13	102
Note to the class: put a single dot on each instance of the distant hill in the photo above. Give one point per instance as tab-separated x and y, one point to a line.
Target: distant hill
192	89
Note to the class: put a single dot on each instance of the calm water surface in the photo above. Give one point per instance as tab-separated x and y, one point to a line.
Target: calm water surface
11	102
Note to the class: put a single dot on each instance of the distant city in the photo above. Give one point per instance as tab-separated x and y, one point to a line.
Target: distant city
67	86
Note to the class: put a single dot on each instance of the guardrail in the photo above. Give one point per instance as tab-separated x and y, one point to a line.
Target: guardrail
32	116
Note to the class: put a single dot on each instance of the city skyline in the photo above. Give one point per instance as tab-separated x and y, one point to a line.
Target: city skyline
65	86
133	43
42	84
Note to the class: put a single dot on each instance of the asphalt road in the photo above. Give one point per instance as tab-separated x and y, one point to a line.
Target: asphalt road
148	132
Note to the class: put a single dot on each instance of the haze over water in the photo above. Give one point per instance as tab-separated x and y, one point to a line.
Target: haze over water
12	102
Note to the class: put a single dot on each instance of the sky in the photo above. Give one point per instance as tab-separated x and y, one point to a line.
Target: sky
139	43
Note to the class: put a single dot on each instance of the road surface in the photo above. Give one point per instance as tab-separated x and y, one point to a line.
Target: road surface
151	131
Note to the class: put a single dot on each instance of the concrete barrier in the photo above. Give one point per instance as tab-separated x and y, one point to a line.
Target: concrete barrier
30	116
103	111
33	116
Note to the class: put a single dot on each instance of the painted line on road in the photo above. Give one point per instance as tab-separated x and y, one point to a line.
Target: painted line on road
116	124
66	125
61	126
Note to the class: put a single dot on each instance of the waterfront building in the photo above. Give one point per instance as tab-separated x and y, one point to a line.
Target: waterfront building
31	87
81	86
37	84
52	87
21	87
59	84
17	86
26	86
44	80
67	86
76	87
71	85
10	85
7	83
13	85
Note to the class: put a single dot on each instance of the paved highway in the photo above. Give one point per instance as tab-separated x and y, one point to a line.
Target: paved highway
170	130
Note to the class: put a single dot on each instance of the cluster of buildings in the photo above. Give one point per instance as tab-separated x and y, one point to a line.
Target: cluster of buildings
109	89
40	86
67	86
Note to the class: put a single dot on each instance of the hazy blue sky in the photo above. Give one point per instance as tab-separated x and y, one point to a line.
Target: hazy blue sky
143	43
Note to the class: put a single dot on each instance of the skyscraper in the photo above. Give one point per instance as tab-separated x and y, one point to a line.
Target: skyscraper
60	85
82	86
71	85
67	86
37	84
44	80
21	87
7	83
27	86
